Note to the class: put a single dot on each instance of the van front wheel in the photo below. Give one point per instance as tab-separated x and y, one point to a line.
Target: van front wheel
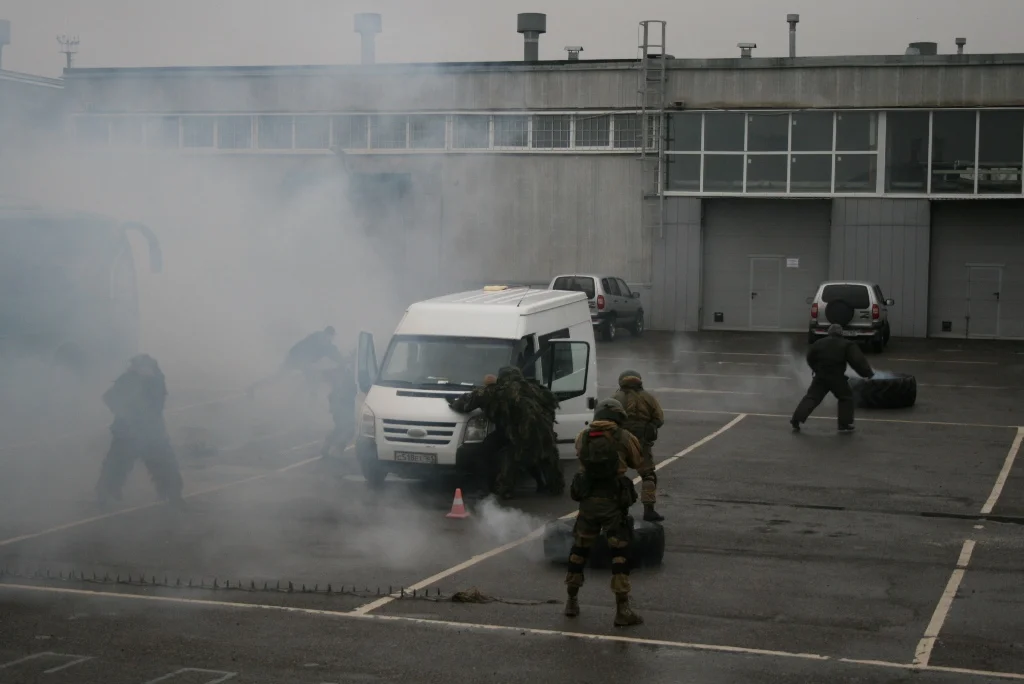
374	472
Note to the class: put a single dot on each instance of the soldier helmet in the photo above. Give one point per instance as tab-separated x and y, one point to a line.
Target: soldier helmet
835	330
610	409
329	330
630	378
510	372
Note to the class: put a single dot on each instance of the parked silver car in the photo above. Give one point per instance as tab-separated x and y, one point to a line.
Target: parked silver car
865	318
612	304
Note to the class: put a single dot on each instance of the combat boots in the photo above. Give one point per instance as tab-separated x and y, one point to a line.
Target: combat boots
651	515
624	615
572	604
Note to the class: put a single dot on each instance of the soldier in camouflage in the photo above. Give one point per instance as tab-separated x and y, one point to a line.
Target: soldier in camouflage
523	412
644	417
604	492
137	401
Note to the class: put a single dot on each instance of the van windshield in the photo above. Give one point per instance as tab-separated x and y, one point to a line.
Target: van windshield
426	361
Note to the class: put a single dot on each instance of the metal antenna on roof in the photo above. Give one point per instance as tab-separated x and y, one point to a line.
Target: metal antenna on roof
68	47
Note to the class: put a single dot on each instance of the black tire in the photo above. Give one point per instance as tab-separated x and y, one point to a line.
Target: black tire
609	330
374	472
637	329
887	392
838	311
647	548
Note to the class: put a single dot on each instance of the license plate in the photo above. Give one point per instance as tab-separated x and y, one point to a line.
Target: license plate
409	457
849	333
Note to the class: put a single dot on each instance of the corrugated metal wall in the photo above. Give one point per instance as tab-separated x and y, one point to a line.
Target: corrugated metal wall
739	230
989	236
675	296
886	241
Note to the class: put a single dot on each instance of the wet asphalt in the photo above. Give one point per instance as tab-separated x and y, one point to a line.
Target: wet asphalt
789	557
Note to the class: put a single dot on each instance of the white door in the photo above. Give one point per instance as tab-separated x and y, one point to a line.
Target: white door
564	368
983	287
765	292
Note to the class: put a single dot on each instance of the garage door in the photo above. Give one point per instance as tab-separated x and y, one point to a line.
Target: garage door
762	260
977	270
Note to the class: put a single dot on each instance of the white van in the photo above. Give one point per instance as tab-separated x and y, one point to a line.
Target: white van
445	347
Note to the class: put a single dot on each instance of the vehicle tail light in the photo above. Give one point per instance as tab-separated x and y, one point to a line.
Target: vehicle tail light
600	302
874	312
814	310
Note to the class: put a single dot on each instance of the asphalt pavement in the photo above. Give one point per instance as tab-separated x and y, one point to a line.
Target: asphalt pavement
889	554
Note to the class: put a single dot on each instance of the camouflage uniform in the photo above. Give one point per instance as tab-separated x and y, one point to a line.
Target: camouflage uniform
137	402
522	410
644	417
604	505
342	402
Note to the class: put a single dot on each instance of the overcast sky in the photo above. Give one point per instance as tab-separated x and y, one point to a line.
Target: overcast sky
121	33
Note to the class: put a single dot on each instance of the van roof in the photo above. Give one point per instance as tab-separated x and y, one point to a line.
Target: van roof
480	313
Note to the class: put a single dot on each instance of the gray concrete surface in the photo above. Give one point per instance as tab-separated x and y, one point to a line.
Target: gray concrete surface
778	544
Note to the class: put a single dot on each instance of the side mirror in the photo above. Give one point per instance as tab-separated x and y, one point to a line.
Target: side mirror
809	300
890	302
636	295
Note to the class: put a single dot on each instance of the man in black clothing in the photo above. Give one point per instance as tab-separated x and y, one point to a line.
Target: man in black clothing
828	358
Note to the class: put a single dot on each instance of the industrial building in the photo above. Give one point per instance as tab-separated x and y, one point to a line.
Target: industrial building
725	189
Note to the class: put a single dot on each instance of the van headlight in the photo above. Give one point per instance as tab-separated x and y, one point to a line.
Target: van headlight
368	423
476	429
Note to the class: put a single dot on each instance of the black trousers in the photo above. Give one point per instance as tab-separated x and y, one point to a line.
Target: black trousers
820	387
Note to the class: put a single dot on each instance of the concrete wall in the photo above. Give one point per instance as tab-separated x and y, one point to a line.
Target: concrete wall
946	81
886	241
675	290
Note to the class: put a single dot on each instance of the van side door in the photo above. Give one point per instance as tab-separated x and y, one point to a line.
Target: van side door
563	366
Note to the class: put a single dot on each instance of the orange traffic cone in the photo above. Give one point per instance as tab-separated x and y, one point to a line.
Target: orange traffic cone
458	508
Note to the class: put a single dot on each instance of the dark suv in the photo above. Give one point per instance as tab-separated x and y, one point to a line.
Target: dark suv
612	304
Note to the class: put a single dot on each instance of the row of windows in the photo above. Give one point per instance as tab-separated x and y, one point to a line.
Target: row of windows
944	152
365	132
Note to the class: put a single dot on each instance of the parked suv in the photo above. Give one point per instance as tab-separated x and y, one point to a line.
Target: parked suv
612	304
867	312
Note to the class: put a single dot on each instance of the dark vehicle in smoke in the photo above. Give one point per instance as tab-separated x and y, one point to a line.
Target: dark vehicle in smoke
68	292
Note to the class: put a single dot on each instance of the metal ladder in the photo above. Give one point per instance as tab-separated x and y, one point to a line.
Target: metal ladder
652	96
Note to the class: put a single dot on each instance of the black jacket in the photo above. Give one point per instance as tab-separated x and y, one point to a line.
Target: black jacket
829	357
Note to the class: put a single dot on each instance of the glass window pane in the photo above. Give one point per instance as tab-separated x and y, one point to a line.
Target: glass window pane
275	132
723	172
313	132
810	173
593	130
197	131
162	132
388	132
906	164
93	130
812	132
551	131
766	173
350	132
953	152
471	132
427	131
723	131
856	131
684	132
627	131
234	132
126	131
683	172
1000	152
768	133
856	172
511	131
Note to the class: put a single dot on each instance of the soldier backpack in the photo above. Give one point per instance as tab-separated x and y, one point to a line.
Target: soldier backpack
600	457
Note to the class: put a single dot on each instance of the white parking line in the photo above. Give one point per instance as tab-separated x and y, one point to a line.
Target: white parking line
422	584
655	359
923	653
154	504
997	489
469	626
76	660
715	412
226	675
687	390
